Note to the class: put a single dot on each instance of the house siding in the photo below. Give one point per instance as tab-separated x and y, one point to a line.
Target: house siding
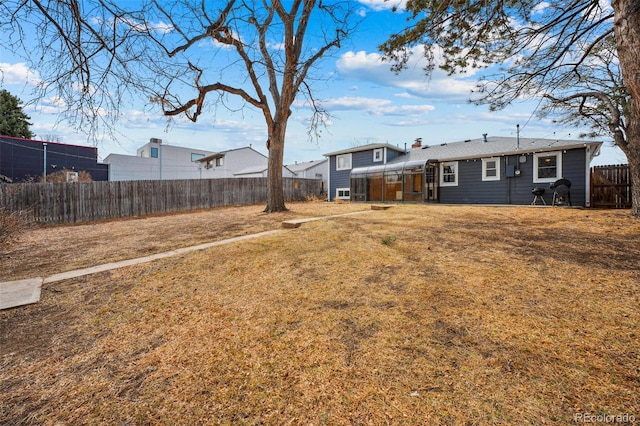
22	159
342	178
472	189
177	164
339	178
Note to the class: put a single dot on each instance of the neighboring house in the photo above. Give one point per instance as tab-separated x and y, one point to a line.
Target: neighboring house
158	161
240	162
488	170
342	162
262	171
316	169
25	159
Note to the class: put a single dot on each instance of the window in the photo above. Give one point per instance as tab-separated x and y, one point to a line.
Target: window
219	161
196	157
377	154
449	173
343	162
343	193
547	167
154	152
490	169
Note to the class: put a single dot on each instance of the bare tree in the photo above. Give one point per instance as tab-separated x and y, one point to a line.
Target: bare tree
581	58
184	56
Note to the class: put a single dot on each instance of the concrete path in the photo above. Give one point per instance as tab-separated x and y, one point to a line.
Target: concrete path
23	292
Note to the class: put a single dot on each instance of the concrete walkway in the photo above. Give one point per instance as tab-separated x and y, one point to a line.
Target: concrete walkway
23	292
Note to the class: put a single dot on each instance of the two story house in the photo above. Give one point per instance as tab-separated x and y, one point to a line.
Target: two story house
159	161
487	170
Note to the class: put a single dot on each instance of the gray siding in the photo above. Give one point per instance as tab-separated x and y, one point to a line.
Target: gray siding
339	178
342	178
516	190
392	155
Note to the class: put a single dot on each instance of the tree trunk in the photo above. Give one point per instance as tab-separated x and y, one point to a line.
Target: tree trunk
627	32
634	169
275	190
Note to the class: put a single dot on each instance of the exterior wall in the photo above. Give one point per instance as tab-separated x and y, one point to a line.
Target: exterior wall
472	189
236	160
172	163
317	170
175	162
128	167
341	178
21	159
392	155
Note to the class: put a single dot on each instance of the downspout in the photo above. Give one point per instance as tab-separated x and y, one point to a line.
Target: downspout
506	164
329	179
160	159
587	176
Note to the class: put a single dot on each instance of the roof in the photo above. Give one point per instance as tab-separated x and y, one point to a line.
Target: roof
257	169
366	148
252	170
8	139
495	145
223	153
298	167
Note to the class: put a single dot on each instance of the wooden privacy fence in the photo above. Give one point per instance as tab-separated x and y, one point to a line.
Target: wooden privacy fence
87	201
611	187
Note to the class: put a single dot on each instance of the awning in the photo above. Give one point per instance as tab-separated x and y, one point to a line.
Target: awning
395	168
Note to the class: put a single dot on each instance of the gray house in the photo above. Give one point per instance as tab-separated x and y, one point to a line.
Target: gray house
341	164
488	170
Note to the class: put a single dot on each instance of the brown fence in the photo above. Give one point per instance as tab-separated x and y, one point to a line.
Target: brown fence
87	201
611	187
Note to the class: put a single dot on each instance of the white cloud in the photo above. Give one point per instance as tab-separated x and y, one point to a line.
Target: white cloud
18	73
354	103
370	67
375	106
381	5
540	7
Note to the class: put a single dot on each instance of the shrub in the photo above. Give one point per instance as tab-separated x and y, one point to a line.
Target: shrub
61	176
11	224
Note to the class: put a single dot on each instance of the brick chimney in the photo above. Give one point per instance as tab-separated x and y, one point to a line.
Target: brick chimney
417	143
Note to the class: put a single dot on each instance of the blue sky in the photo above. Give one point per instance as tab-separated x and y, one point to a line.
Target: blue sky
368	103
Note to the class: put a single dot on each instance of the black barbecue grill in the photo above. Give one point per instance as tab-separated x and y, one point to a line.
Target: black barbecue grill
561	192
538	195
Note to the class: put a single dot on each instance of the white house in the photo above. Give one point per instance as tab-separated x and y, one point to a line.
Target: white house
158	161
230	163
261	171
316	169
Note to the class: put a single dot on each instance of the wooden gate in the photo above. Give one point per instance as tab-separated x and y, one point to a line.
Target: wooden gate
611	187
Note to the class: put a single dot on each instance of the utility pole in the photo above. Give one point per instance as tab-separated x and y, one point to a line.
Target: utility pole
44	149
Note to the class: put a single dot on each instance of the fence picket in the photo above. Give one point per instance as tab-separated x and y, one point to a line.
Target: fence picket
611	186
54	203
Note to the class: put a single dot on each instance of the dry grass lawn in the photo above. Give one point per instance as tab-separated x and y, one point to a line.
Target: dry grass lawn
420	314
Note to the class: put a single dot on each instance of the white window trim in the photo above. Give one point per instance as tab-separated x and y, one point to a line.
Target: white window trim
457	172
380	152
344	197
338	162
558	155
484	169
